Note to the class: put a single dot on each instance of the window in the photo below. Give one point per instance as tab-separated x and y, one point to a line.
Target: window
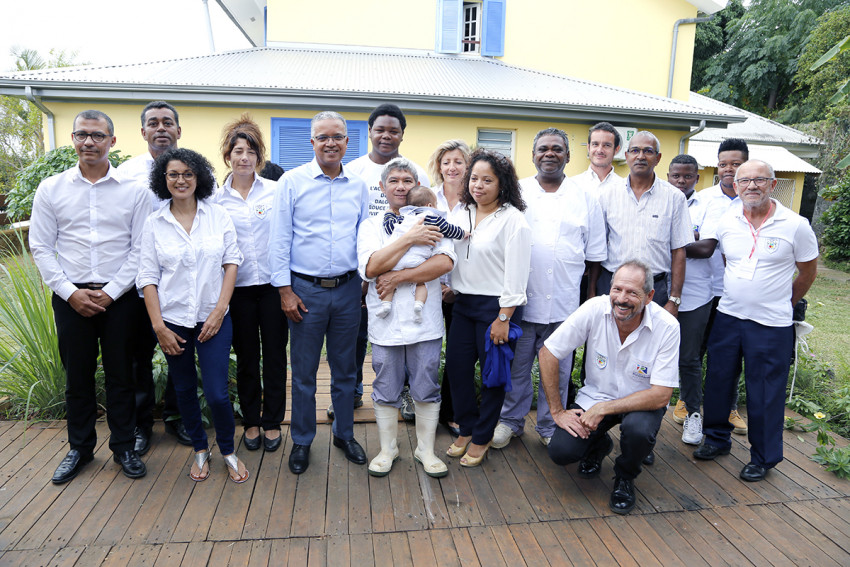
471	27
784	192
291	141
501	141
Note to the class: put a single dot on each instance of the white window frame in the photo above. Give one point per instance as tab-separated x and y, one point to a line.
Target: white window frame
473	17
495	145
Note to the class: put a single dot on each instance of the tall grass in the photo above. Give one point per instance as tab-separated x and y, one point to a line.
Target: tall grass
31	372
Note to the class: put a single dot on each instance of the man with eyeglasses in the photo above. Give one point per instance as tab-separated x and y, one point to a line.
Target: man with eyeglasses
161	130
764	243
84	236
603	143
317	211
647	218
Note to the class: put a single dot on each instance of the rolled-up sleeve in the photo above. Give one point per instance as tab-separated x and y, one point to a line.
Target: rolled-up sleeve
517	263
232	254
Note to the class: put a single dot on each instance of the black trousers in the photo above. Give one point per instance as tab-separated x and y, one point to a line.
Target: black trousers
79	340
447	411
144	343
259	325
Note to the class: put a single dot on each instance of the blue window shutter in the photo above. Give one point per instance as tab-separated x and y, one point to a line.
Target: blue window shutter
493	28
449	26
291	145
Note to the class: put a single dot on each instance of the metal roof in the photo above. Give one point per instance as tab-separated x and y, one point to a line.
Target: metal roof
780	158
426	81
755	129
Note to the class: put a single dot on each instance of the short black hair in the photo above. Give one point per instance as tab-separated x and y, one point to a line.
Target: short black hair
272	171
685	159
96	115
734	145
509	190
605	127
388	109
196	162
160	104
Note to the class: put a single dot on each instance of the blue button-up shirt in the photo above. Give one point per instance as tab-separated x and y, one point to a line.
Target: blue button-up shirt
314	223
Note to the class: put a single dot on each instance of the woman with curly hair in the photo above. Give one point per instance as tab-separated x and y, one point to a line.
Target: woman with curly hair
255	305
187	270
489	278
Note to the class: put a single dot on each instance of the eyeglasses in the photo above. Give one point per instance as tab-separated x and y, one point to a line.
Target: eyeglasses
336	138
174	176
759	181
648	152
97	137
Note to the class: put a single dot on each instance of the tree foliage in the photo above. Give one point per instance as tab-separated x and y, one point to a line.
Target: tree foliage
756	68
836	235
711	39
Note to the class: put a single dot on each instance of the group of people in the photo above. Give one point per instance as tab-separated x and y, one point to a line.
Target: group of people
637	270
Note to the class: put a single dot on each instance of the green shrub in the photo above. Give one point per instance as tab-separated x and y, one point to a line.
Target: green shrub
19	199
836	235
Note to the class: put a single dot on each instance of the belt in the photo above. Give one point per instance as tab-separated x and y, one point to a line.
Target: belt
659	277
327	282
90	285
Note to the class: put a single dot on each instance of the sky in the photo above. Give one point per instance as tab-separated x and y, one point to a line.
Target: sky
114	31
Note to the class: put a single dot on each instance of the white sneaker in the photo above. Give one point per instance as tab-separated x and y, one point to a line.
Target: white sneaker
692	429
545	440
502	436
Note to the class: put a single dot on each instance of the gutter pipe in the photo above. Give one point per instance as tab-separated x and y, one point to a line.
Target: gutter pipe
675	41
51	126
689	135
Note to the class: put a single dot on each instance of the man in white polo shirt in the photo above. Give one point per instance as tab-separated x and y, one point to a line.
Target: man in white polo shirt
567	231
764	244
633	349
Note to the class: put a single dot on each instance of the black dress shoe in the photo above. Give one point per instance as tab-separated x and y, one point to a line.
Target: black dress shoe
131	464
251	444
143	440
453	431
753	473
299	459
271	445
70	466
623	496
706	452
358	401
353	451
649	460
176	428
590	466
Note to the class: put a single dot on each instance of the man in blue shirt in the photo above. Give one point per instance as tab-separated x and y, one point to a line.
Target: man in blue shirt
313	255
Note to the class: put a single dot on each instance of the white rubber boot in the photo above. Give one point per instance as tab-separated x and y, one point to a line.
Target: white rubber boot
427	416
387	419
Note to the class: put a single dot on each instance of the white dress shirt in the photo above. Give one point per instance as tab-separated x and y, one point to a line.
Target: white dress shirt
494	260
187	268
649	355
370	172
718	198
567	228
252	218
398	328
647	229
763	295
139	169
590	182
84	232
697	289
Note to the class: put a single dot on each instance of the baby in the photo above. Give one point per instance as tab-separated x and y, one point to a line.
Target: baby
420	203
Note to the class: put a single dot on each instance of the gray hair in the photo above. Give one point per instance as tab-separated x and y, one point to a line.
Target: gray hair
399	164
648	280
96	115
551	132
647	134
327	115
753	161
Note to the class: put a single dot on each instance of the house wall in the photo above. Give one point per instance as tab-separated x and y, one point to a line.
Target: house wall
617	42
706	179
202	126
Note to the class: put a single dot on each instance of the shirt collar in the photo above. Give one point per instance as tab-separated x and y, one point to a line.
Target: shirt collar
316	171
595	176
110	174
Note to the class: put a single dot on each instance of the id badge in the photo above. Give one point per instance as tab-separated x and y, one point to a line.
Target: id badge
747	268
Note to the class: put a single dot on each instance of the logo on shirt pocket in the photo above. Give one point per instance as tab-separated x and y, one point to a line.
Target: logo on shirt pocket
640	370
601	361
771	245
262	210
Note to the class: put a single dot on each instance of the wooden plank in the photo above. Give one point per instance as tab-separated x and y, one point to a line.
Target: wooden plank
21	558
431	489
90	528
683	546
171	554
232	511
716	541
240	552
549	545
750	543
444	550
66	557
380	493
512	501
268	473
24	445
144	555
652	495
24	462
457	493
621	554
260	550
197	554
342	475
317	552
776	478
679	528
339	551
422	549
168	503
11	432
539	494
382	549
119	556
308	513
197	514
486	547
829	523
93	556
279	554
840	507
283	504
361	547
592	543
465	548
485	497
617	528
806	530
656	543
524	544
571	544
220	554
408	507
359	511
400	550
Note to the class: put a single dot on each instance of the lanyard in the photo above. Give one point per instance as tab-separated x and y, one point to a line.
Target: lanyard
754	232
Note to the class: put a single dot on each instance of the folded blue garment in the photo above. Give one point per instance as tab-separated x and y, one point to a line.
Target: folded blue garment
497	365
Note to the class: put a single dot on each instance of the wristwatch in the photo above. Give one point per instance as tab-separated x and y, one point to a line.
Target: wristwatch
676	300
503	317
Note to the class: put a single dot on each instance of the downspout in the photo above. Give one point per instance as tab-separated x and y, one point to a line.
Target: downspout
209	25
675	41
689	135
51	126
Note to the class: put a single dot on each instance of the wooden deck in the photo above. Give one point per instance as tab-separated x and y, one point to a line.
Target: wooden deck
517	509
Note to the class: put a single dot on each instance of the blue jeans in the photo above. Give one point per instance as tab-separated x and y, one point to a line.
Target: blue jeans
332	313
214	360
